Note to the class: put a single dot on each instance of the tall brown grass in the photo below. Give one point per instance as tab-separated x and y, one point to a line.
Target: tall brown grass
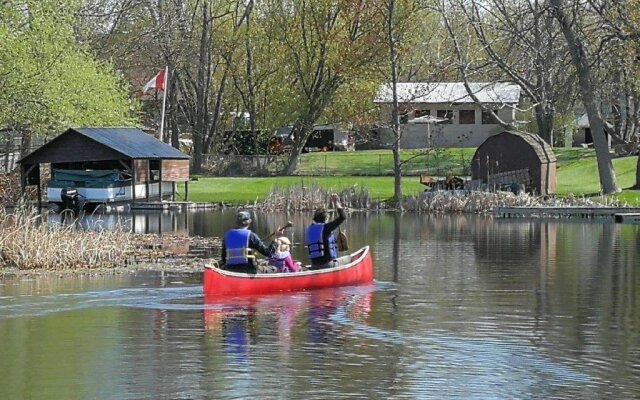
10	189
312	197
305	198
28	242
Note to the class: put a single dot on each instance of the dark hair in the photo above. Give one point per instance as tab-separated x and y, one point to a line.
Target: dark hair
320	215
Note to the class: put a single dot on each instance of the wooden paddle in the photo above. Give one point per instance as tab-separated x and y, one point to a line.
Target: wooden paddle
289	224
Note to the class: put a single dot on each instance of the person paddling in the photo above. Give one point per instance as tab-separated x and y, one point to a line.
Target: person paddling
319	237
239	244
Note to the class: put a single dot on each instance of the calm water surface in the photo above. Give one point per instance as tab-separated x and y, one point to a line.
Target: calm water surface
461	308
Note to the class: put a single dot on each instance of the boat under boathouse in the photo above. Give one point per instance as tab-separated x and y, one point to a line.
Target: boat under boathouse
107	165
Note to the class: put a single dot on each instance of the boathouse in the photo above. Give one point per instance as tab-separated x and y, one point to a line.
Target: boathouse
107	165
515	159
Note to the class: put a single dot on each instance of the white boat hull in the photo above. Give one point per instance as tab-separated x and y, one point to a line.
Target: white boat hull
113	194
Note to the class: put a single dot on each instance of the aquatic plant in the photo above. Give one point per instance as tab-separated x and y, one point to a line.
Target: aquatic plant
10	189
306	198
28	242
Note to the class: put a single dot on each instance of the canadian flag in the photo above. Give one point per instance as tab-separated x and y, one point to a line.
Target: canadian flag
157	82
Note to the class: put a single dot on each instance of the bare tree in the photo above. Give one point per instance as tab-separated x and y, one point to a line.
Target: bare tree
391	34
620	23
580	59
520	39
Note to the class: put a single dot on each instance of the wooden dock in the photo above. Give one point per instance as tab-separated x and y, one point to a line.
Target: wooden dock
173	205
629	218
619	214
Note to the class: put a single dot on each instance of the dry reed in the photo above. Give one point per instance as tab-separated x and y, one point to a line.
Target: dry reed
28	242
484	202
306	198
10	189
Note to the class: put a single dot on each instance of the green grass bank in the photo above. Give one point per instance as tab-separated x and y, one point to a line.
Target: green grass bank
577	174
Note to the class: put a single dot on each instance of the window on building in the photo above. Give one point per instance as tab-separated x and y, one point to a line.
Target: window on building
422	113
467	117
404	117
487	119
445	114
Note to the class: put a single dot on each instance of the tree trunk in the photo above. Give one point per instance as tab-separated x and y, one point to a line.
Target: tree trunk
25	144
583	70
544	121
200	126
395	112
290	169
637	186
397	177
217	110
301	134
173	115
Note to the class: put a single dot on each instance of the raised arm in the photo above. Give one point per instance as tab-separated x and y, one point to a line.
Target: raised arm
341	217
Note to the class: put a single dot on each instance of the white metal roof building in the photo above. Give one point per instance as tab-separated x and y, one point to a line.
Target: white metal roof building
443	114
450	92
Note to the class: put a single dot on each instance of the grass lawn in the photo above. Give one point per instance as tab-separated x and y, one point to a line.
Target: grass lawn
576	168
455	161
582	176
244	190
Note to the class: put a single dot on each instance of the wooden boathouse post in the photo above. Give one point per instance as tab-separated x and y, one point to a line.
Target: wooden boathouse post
133	181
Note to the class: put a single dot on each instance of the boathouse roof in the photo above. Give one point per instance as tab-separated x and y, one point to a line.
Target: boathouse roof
450	92
93	144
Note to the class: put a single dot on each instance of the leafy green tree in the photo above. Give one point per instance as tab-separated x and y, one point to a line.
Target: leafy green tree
48	81
324	44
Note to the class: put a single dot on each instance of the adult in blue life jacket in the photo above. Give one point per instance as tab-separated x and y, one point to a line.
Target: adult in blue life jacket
319	238
239	246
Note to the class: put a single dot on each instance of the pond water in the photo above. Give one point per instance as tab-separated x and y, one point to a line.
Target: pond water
462	307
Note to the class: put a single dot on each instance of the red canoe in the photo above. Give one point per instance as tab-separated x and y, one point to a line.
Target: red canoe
220	282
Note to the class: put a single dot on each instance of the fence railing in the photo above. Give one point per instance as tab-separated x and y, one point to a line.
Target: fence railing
351	163
317	164
235	165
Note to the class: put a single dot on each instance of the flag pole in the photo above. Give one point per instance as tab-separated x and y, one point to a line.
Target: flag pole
164	102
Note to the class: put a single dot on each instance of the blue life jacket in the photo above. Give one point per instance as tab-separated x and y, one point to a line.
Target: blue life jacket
236	242
315	244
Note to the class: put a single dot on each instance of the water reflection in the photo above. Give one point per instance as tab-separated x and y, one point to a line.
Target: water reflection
145	222
462	307
240	321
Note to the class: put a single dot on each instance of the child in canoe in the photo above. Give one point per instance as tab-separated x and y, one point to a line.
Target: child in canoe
281	258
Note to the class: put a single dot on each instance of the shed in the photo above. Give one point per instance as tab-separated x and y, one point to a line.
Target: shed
107	165
516	157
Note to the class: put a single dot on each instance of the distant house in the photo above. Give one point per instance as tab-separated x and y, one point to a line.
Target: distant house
444	115
582	136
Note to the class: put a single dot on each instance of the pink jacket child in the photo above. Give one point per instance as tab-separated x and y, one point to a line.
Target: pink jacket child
281	258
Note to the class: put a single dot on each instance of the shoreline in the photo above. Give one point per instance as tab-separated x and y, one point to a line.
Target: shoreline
152	253
182	269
